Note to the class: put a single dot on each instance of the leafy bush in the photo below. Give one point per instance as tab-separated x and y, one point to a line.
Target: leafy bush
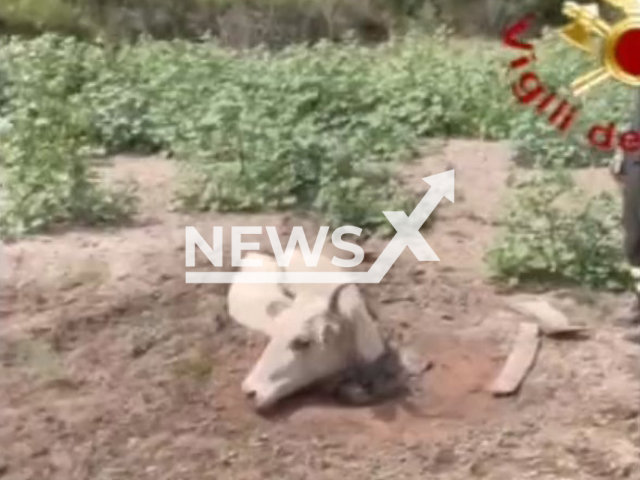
315	128
46	180
547	239
299	128
48	183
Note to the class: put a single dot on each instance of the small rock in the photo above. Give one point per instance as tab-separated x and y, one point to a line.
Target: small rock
624	472
353	394
479	469
132	442
4	469
446	316
220	322
413	362
40	452
229	458
141	348
551	321
445	457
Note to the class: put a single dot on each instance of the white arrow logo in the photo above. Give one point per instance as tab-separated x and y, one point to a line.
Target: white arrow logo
407	236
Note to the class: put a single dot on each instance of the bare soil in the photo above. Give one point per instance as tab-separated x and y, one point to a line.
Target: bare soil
112	367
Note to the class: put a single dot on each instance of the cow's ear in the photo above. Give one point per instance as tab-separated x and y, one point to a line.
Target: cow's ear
334	300
349	303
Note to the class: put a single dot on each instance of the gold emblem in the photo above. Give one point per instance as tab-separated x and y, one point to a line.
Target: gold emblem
616	47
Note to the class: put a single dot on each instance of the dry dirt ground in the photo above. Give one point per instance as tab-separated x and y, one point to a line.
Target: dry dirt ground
111	367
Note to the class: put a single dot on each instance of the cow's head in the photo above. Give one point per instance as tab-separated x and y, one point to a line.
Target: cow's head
313	339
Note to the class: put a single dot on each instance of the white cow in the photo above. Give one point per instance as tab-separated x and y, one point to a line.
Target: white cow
256	306
319	333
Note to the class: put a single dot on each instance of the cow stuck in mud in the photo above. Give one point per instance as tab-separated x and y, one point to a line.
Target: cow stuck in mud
318	335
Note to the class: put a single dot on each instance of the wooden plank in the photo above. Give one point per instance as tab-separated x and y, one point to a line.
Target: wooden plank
519	362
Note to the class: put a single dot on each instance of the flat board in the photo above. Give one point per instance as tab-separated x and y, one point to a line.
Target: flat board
520	361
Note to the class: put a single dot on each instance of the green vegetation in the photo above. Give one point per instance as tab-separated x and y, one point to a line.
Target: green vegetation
316	128
46	178
551	234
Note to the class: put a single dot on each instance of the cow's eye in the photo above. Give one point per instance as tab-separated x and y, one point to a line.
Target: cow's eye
300	344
